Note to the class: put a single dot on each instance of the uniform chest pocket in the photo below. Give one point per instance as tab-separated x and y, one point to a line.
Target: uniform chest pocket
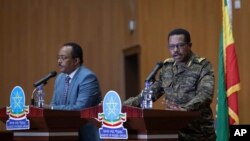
188	82
166	83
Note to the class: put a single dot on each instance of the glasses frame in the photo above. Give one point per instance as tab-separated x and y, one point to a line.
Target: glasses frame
62	57
178	46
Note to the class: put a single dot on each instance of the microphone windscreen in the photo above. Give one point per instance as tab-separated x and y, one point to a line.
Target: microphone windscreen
53	73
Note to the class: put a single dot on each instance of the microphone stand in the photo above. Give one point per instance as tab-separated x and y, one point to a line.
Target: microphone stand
32	100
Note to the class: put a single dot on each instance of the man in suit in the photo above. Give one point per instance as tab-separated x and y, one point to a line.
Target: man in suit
83	88
76	87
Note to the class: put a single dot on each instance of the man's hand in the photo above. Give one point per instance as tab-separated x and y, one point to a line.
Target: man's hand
172	106
46	106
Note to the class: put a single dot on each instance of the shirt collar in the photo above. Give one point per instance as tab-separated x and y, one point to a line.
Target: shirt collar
72	74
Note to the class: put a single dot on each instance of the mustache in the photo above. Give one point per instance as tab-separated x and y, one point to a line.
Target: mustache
176	54
60	65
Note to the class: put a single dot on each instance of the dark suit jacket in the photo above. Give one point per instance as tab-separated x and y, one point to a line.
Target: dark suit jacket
84	91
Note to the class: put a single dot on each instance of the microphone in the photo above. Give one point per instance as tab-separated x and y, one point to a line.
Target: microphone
45	79
153	73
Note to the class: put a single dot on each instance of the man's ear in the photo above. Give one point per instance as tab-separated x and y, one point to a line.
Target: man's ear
77	61
190	45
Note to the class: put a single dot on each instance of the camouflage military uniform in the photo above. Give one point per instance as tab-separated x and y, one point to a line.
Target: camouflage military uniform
190	86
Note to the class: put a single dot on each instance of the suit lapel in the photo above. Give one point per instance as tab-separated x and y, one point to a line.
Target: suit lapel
72	84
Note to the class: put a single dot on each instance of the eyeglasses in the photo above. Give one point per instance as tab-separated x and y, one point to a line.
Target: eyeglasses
62	57
178	46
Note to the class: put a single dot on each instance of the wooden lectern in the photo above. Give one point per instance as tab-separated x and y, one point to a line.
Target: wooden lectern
47	125
145	124
142	124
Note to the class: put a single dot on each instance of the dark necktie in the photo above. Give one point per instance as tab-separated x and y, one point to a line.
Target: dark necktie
66	89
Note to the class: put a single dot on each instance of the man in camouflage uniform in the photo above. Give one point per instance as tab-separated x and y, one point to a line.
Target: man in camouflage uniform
187	81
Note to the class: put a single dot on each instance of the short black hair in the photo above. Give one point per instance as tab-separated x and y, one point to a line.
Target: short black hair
180	31
77	51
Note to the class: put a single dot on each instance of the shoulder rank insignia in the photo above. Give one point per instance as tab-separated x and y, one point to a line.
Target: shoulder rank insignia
200	59
168	60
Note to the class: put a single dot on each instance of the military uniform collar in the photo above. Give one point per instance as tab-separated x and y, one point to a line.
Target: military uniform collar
189	62
192	59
